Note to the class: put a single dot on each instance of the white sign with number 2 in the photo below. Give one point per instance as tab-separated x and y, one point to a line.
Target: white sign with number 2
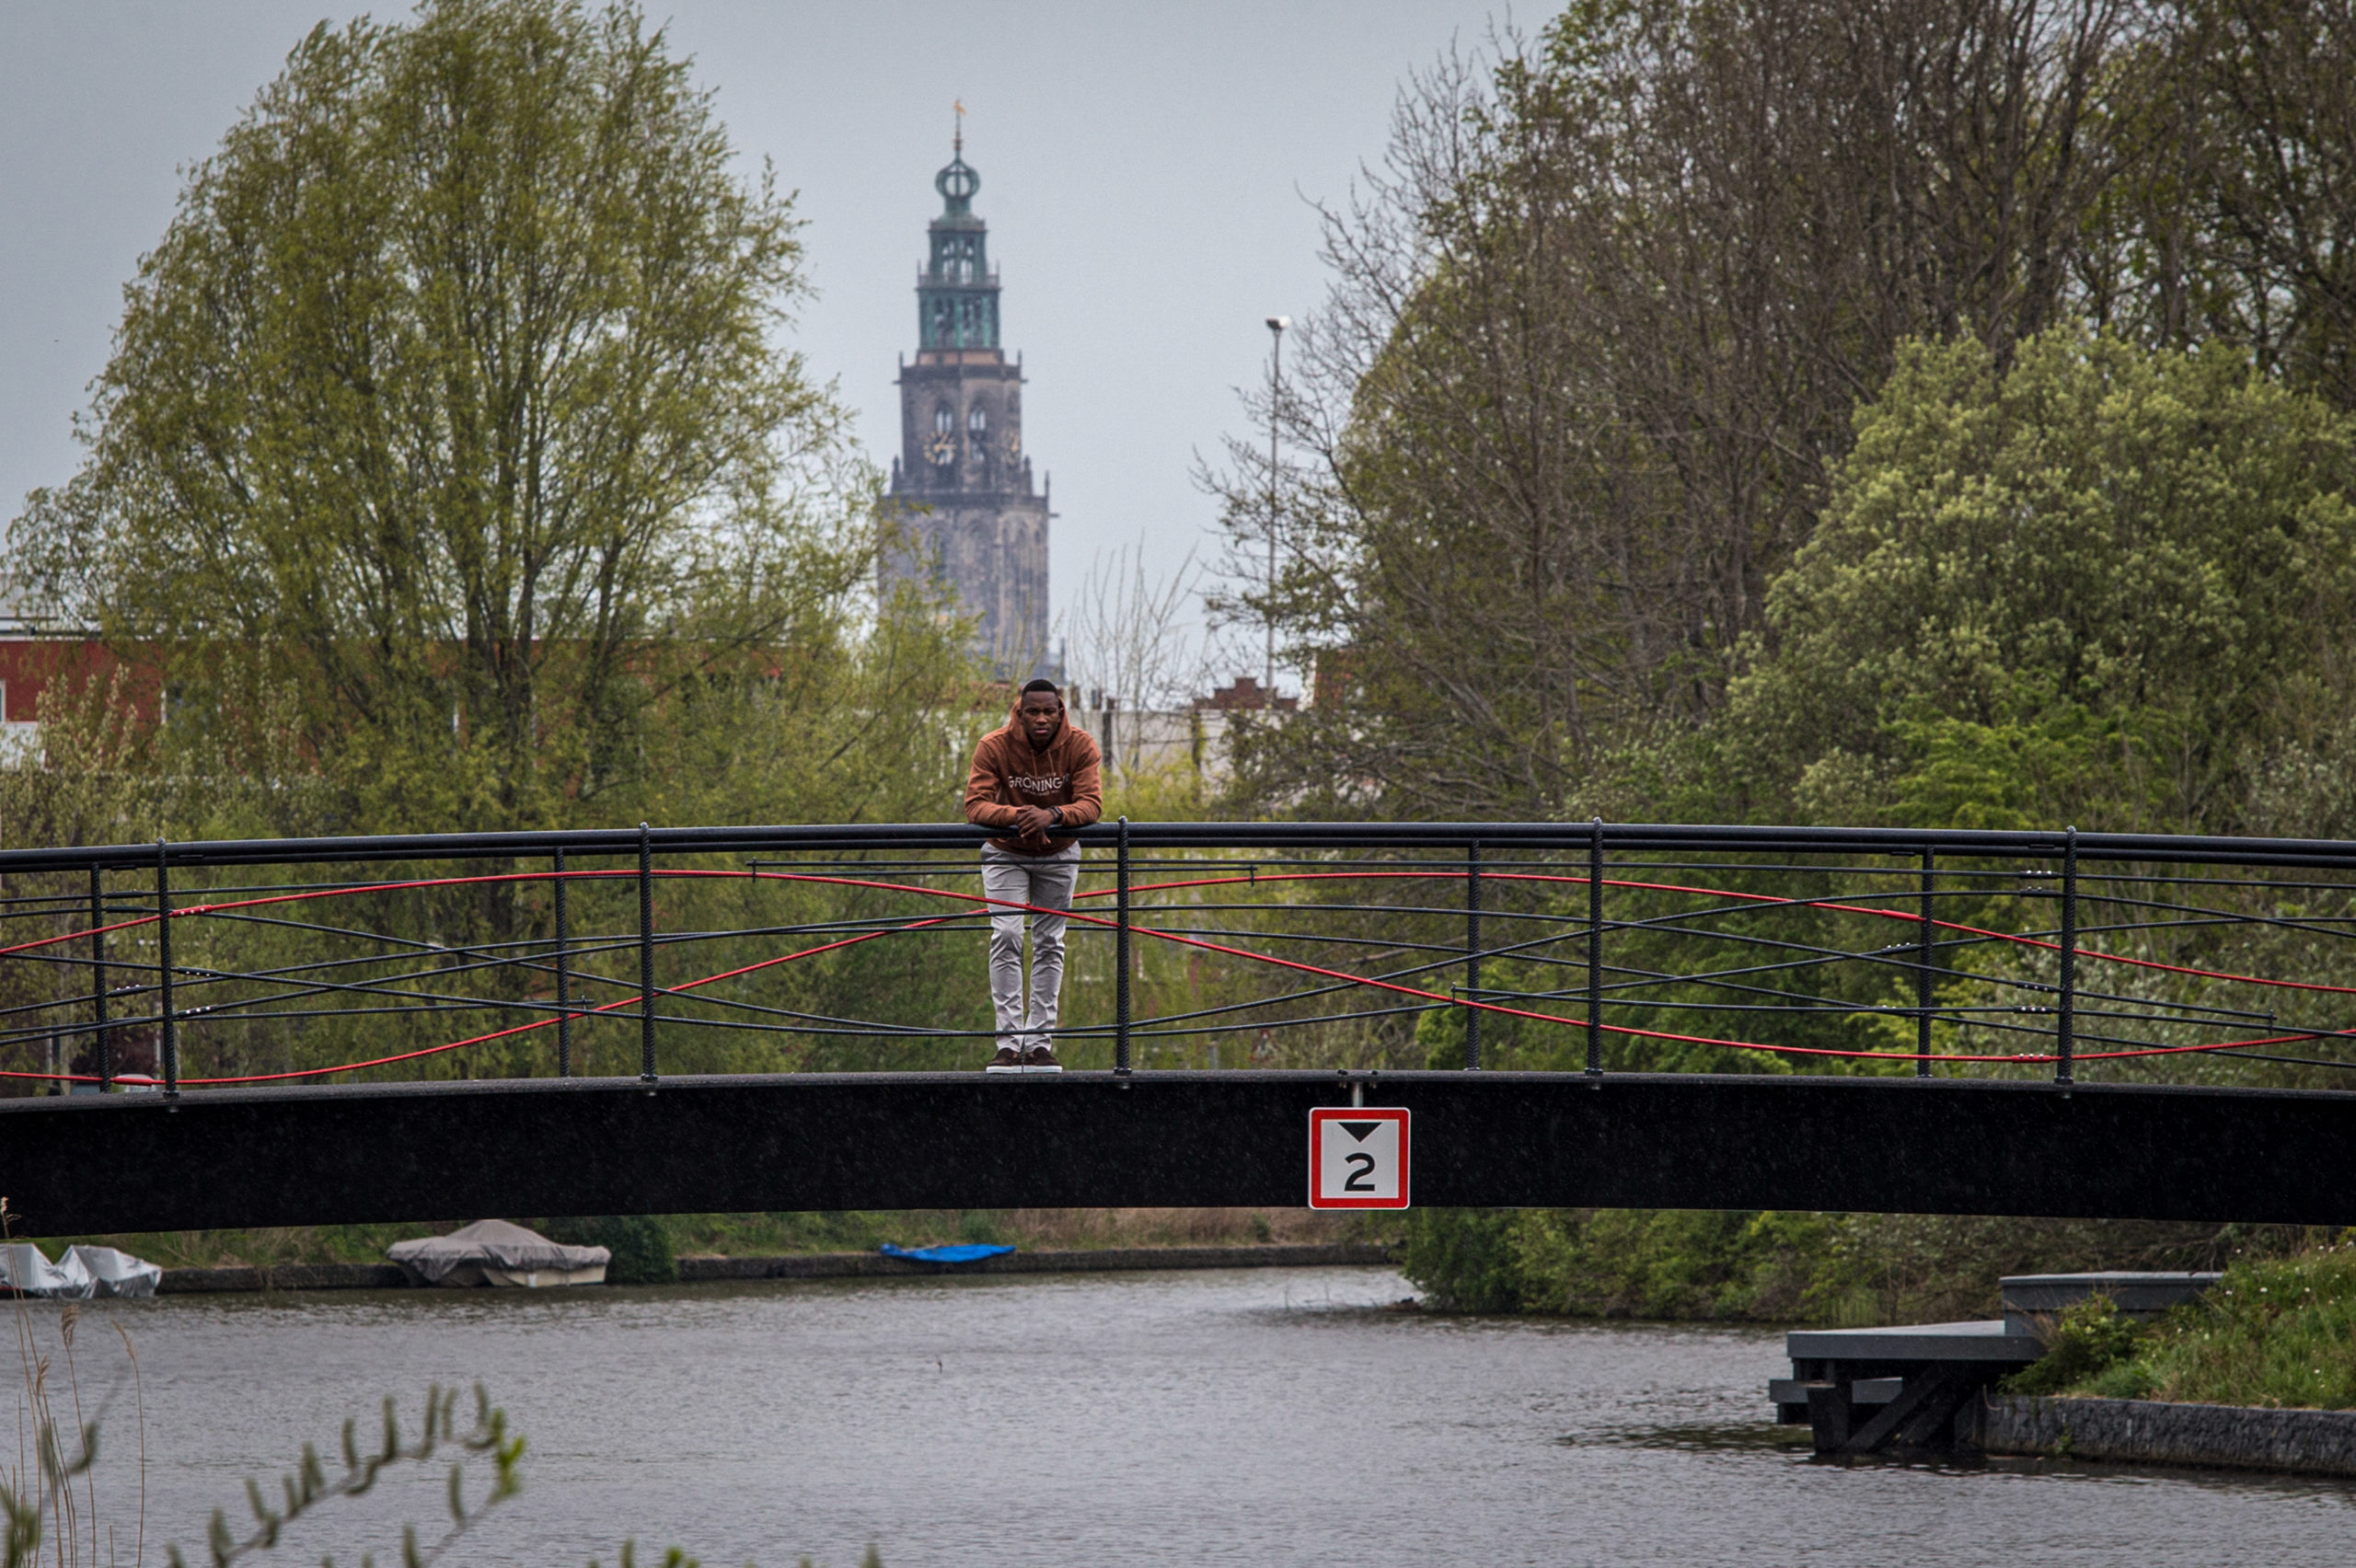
1357	1156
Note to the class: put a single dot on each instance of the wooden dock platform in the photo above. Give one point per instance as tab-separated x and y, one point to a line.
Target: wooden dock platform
1920	1386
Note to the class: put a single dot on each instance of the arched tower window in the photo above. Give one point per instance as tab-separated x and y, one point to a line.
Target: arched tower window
943	447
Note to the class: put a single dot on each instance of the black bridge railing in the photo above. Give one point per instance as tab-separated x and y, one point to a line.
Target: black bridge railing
1568	947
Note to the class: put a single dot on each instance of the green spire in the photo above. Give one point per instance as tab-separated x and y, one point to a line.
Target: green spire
957	293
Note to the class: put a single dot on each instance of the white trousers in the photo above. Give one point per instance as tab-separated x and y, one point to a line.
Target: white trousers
1046	882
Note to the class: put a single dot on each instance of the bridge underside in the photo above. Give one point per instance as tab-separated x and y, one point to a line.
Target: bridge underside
464	1150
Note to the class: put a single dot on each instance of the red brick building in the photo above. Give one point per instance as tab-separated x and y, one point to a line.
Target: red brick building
36	653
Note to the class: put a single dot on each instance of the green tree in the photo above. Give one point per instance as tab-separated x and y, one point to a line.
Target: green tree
2099	585
1596	333
449	473
1601	321
449	410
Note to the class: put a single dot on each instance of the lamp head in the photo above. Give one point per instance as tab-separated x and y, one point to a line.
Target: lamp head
1279	322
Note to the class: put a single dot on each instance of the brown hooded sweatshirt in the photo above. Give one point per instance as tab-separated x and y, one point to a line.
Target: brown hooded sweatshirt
1008	774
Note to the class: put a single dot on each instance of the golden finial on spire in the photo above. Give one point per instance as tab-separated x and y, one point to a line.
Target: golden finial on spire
957	142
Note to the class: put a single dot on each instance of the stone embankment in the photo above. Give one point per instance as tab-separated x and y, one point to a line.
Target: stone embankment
2304	1442
818	1265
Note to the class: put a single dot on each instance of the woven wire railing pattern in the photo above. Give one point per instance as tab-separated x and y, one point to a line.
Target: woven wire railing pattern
1589	947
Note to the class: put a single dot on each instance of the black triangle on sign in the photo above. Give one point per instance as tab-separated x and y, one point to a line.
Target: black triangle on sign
1359	1130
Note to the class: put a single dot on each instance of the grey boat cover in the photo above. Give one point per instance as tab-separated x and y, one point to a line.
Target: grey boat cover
494	1242
26	1269
114	1273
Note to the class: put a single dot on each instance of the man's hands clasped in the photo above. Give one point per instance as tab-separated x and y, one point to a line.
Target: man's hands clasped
1034	822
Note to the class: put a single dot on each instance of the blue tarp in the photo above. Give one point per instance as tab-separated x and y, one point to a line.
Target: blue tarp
965	1252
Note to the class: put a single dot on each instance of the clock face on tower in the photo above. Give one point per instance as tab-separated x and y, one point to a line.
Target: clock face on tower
942	449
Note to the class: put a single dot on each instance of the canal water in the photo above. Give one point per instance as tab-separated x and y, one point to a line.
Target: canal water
1247	1416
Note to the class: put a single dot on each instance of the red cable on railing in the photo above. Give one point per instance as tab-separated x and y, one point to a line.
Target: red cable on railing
1435	997
545	1022
1908	918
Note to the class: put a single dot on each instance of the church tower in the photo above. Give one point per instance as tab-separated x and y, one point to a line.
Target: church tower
961	487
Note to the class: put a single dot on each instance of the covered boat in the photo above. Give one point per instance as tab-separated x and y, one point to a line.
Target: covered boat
82	1273
25	1270
493	1252
114	1273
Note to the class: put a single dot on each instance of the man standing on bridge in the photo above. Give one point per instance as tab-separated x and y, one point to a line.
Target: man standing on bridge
1036	776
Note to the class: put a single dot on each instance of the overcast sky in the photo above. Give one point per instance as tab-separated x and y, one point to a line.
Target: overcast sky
1147	172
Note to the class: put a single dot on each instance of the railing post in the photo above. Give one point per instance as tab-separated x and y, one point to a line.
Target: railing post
1595	950
2066	1016
1121	952
1923	976
170	1033
1473	956
103	1036
564	981
645	954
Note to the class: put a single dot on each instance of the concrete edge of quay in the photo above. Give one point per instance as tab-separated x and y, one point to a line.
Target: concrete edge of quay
704	1268
2300	1442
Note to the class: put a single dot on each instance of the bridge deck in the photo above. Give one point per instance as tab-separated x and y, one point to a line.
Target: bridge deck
237	1158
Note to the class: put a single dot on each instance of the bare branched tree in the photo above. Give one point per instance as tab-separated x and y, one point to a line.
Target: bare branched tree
1135	636
2266	245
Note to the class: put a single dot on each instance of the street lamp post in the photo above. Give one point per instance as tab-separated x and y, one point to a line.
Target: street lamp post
1277	324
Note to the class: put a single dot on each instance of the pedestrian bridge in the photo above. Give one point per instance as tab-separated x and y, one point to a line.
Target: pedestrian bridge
255	1157
327	1030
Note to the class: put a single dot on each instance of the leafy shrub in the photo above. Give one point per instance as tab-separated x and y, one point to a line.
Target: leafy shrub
1704	1263
1782	1265
1463	1259
2090	1340
2278	1333
641	1245
1628	1262
2129	1379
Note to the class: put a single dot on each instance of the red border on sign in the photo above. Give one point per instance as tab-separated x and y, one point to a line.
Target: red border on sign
1324	1114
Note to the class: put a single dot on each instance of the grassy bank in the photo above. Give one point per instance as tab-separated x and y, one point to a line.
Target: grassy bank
2276	1331
1839	1270
751	1235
